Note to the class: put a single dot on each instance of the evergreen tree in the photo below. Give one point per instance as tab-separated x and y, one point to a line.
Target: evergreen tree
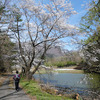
6	46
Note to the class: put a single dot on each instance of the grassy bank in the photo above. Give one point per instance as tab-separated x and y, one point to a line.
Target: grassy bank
54	70
70	71
32	88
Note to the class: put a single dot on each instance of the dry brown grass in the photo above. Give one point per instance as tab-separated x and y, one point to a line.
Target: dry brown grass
2	79
11	82
48	89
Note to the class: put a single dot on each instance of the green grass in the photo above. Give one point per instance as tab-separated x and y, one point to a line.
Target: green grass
60	64
70	71
32	88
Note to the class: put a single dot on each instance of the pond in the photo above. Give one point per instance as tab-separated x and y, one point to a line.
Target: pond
84	84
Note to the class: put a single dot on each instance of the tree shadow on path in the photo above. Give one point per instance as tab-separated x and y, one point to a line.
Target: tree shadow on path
12	93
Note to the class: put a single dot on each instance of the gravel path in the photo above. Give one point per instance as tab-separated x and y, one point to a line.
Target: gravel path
8	93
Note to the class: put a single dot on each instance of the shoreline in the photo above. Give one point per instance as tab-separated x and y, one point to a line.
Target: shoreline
34	88
63	69
71	69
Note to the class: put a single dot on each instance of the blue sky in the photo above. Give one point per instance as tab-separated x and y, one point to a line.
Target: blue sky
75	19
81	10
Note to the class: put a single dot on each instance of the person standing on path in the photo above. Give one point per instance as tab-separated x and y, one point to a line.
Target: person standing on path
16	79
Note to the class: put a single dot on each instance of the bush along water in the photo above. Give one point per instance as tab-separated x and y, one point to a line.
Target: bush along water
61	64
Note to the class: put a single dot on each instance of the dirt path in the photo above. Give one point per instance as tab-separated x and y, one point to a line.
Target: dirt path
8	93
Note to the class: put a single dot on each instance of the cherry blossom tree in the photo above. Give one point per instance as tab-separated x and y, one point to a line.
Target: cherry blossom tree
45	23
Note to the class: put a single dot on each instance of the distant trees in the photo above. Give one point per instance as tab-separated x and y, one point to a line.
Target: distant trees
91	24
73	56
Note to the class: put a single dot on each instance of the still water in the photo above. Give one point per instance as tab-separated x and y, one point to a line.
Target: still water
84	84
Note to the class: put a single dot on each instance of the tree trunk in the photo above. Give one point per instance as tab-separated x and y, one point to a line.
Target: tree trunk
29	75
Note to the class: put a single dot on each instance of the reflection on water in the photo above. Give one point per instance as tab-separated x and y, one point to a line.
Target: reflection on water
84	84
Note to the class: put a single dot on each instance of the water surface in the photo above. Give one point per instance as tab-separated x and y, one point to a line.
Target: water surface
84	84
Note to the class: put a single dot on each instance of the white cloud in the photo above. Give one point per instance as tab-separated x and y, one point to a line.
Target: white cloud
72	27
